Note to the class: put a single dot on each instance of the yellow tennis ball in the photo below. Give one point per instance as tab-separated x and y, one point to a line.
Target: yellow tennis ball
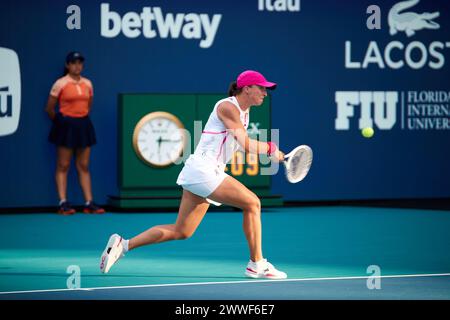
367	132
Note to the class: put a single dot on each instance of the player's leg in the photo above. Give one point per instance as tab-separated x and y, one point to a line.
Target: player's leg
191	212
64	156
234	193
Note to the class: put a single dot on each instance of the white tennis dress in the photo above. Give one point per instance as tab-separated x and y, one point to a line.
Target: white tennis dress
203	171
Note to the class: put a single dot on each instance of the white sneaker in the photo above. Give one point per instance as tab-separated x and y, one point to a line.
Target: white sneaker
113	252
263	269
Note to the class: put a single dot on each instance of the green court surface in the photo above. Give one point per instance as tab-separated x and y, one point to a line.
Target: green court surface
316	243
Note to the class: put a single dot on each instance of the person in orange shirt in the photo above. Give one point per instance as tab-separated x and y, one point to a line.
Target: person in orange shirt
72	131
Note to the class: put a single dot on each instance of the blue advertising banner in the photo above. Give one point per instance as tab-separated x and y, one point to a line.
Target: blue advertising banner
341	66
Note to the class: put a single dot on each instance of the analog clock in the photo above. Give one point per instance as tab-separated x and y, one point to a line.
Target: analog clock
159	139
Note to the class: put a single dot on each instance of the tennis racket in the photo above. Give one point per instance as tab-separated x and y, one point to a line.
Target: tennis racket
297	163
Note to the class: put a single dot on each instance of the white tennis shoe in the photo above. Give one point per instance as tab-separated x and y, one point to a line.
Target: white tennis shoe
263	269
114	251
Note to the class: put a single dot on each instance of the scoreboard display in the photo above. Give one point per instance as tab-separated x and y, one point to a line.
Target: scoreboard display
149	158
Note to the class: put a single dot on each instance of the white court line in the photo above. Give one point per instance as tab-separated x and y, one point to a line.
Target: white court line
232	282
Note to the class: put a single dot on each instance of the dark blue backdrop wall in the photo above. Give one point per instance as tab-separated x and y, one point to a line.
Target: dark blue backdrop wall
327	62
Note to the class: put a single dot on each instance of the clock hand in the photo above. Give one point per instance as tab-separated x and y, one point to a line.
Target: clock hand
168	140
159	144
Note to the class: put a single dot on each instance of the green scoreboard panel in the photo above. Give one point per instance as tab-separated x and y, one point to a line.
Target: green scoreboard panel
146	183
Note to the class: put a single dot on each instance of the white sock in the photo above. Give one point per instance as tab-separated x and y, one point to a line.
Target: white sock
125	245
62	201
87	203
259	262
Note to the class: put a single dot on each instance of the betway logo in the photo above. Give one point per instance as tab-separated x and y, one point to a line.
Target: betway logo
377	106
9	91
152	23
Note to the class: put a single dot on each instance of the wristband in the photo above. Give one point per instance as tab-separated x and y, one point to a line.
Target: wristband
272	147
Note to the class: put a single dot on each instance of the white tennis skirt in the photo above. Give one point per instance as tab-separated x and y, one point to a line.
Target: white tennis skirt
201	176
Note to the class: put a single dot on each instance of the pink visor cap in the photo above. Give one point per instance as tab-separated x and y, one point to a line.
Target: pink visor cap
250	78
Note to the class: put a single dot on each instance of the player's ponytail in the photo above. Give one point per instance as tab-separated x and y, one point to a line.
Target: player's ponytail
233	89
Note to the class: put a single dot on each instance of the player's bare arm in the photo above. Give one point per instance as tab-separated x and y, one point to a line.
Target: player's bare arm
231	118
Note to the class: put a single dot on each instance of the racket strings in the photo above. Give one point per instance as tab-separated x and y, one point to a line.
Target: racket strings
296	165
299	165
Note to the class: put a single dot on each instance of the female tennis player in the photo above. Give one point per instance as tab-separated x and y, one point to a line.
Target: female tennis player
72	131
203	178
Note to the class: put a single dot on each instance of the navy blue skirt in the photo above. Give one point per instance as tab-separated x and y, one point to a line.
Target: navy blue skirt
72	132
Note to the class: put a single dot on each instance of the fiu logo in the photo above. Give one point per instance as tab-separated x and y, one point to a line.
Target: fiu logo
417	110
9	91
377	107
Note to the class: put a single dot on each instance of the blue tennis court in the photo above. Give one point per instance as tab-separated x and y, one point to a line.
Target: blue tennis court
326	252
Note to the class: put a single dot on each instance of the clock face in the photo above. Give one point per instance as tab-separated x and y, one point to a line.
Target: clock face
158	140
